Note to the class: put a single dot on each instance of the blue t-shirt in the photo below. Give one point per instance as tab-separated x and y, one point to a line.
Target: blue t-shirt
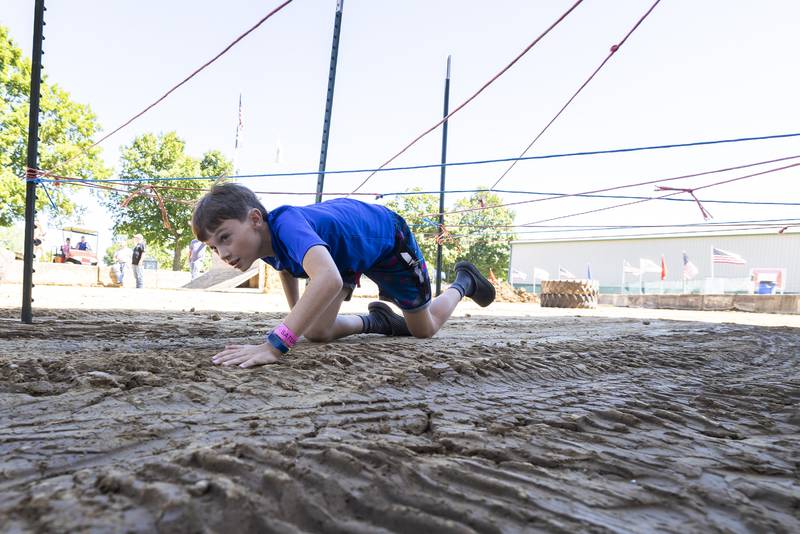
355	233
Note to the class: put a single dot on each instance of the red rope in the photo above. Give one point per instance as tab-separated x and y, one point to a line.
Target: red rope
706	214
626	186
681	232
165	95
160	201
613	51
470	99
665	196
443	235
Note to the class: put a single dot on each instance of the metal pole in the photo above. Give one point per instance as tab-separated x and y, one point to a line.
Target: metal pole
711	257
326	124
442	180
33	151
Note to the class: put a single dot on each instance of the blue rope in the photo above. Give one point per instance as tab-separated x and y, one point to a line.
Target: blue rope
53	204
461	163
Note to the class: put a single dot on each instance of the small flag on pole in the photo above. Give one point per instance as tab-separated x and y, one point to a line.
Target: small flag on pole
689	268
540	274
239	130
663	268
240	124
564	273
648	266
518	276
723	256
628	268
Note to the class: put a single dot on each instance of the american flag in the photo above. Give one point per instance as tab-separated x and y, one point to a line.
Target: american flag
689	268
723	256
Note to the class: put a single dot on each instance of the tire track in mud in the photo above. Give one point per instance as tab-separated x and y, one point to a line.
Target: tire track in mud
496	425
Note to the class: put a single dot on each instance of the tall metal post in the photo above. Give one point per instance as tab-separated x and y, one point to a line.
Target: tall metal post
326	124
33	152
441	181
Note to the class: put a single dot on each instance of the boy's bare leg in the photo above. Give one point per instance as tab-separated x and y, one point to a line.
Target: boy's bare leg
425	323
329	325
469	282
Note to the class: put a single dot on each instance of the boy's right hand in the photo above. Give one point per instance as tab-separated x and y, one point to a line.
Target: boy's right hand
247	355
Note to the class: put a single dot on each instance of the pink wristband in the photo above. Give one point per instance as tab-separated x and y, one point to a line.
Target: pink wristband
286	335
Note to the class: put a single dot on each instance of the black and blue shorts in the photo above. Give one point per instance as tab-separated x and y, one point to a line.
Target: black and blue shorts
401	276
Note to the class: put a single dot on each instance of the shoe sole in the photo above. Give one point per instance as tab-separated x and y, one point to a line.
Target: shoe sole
484	290
398	324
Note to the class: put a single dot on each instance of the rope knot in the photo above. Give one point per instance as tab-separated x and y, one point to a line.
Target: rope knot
706	214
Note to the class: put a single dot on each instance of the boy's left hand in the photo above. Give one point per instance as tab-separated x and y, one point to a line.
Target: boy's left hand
247	355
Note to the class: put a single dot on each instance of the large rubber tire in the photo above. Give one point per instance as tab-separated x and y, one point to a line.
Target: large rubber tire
555	300
569	293
570	287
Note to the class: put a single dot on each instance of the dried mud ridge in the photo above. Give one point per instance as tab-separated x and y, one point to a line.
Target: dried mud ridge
117	421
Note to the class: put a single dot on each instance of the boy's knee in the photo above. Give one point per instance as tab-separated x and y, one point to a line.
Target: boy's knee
318	337
426	332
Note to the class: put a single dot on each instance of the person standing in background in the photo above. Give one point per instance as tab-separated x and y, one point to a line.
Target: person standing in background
197	251
122	257
136	259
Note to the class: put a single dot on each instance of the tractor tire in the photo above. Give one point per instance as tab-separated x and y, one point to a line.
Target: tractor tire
555	300
569	293
570	287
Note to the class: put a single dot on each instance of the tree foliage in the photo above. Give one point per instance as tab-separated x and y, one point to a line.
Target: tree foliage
486	232
66	131
478	236
161	210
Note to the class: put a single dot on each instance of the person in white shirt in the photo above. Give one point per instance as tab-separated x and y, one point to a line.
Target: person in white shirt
122	257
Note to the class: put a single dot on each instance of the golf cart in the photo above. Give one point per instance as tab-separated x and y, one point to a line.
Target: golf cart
76	255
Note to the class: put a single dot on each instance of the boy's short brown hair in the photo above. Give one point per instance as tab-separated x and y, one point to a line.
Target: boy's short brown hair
223	202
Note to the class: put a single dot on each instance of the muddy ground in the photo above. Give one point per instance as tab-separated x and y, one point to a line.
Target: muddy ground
118	421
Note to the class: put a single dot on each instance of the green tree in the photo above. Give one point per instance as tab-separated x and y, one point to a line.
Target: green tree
66	132
420	212
161	210
481	236
487	233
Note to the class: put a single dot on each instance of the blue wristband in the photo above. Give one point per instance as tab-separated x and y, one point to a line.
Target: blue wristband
277	342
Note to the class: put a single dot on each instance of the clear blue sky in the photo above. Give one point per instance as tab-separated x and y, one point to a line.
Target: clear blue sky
693	71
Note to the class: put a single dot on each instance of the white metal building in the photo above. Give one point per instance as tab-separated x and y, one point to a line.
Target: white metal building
604	257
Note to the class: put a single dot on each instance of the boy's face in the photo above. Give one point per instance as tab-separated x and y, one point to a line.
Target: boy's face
239	243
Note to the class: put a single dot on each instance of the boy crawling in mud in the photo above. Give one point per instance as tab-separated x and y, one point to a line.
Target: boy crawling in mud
332	243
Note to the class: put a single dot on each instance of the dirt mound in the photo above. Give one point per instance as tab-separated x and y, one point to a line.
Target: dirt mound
508	293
